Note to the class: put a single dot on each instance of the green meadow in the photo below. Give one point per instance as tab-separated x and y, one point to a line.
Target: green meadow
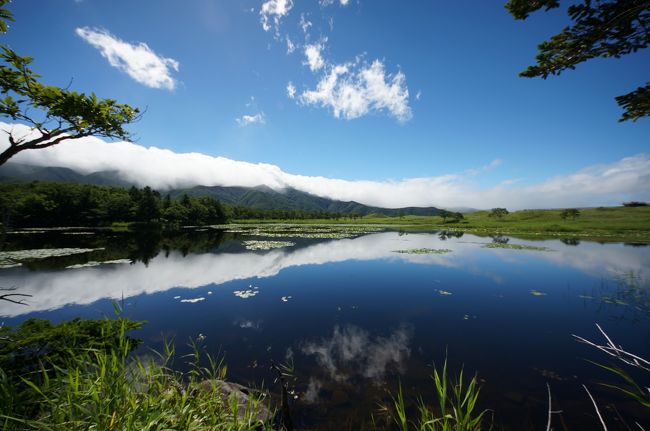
628	224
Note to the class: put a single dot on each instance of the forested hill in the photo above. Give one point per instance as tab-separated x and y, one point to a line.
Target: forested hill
261	197
265	198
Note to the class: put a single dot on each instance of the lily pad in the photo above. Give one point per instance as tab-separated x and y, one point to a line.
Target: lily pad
193	300
245	294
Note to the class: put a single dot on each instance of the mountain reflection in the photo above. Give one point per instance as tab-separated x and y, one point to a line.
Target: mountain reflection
196	266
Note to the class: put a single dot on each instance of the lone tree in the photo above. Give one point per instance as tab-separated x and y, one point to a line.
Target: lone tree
53	114
571	213
604	28
454	216
499	212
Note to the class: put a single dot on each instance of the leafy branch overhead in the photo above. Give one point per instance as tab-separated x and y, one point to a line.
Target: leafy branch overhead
600	29
54	114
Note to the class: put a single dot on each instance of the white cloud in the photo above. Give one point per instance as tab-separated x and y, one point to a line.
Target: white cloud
272	12
291	47
137	60
304	23
247	120
291	90
353	90
606	184
313	55
325	3
493	164
418	95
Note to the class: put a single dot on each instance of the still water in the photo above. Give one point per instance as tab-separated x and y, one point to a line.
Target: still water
359	313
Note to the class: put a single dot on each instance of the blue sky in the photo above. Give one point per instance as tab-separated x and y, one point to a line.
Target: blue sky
433	87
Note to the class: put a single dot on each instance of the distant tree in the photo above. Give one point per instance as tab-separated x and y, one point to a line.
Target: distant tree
53	114
148	207
571	213
604	28
444	214
498	212
570	241
635	204
456	217
498	239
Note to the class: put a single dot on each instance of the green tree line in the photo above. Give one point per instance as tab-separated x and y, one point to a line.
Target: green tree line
43	204
247	213
48	204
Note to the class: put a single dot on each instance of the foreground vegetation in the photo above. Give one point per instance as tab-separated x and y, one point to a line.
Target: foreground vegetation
82	375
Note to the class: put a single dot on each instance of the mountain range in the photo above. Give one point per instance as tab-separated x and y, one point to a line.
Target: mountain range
260	197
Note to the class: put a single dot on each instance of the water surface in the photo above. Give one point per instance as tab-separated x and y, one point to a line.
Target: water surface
357	316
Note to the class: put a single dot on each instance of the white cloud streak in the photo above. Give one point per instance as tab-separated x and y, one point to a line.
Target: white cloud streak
137	60
291	47
291	90
313	56
606	184
304	23
325	3
247	120
352	90
272	12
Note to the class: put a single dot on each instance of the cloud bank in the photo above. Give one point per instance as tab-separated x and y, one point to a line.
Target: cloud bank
137	60
606	184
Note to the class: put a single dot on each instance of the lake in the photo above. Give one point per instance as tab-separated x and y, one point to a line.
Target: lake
359	311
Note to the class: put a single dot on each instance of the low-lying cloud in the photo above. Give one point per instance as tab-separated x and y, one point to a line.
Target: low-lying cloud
605	184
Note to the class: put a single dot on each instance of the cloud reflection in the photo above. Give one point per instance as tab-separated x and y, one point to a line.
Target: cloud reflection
52	289
352	351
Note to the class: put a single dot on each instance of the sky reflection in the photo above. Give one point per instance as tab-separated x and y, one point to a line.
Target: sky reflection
52	289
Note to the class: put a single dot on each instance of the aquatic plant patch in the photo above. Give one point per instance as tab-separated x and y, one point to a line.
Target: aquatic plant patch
423	251
267	245
516	247
247	293
18	256
193	300
95	263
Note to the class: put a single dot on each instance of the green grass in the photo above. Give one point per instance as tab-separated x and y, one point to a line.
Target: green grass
456	409
601	224
108	388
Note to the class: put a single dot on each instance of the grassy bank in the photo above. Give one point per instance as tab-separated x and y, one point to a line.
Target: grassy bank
84	375
602	224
